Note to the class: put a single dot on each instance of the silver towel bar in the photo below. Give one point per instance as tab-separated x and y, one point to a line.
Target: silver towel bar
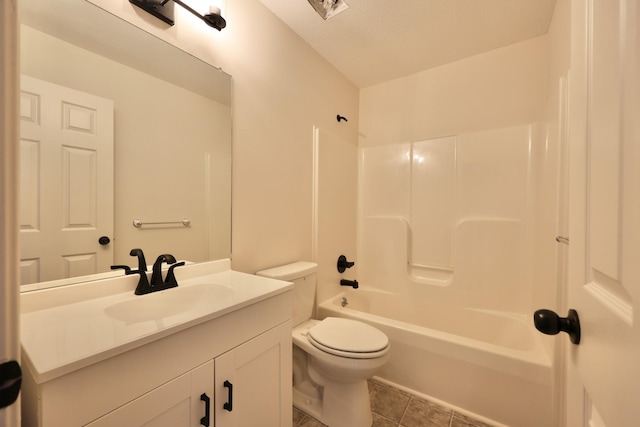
139	223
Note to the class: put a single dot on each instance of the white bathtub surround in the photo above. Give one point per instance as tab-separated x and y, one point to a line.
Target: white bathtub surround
452	211
490	363
449	245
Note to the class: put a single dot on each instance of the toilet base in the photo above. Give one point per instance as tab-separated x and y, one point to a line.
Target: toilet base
341	405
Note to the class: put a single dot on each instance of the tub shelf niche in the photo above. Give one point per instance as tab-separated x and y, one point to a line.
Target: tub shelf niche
429	274
395	232
489	252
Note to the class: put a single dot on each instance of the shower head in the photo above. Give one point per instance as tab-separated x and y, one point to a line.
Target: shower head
328	8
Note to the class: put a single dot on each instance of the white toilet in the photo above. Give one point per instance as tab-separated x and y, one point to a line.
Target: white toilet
332	358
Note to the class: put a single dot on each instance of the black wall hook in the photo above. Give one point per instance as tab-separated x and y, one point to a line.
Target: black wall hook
340	118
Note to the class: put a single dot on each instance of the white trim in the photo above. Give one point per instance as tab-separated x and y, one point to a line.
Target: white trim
9	251
314	193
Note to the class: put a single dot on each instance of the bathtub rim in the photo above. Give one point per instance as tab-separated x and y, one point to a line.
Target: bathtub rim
532	365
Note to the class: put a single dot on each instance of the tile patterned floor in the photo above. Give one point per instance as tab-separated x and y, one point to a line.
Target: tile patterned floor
392	407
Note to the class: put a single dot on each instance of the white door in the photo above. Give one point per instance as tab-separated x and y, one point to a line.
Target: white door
66	182
604	253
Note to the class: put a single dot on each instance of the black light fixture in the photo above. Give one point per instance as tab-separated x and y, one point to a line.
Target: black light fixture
163	9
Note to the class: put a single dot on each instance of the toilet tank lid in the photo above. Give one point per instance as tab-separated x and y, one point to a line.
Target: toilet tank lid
291	271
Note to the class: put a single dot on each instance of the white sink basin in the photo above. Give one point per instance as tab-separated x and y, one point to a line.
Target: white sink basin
167	303
66	328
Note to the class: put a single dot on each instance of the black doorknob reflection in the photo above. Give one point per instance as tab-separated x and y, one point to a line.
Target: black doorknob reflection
548	322
104	240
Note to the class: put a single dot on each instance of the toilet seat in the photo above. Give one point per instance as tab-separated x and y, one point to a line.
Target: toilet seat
348	338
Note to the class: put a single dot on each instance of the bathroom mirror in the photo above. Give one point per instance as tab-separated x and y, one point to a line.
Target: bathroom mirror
171	141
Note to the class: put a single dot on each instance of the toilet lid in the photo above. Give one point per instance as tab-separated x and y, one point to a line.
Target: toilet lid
347	336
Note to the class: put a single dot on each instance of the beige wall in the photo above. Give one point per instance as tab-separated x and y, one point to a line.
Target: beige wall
282	88
336	207
501	88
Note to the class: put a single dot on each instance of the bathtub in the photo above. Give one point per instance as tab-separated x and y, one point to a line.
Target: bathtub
489	364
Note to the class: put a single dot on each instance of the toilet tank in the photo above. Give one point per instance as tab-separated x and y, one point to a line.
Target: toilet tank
303	276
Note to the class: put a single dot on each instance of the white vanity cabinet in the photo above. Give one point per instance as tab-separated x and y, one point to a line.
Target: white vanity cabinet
180	402
161	372
253	383
248	392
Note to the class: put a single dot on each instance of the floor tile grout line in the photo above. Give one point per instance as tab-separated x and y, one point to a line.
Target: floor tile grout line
375	385
406	408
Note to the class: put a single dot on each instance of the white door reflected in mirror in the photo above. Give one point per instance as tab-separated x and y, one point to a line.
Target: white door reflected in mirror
66	181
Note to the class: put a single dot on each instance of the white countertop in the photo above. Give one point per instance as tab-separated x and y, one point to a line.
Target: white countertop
63	337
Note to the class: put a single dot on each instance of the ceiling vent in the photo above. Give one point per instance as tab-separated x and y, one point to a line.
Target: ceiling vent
328	8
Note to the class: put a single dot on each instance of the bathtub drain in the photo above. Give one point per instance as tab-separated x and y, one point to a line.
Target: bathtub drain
344	301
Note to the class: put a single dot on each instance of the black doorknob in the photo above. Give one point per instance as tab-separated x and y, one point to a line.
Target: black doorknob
104	240
548	322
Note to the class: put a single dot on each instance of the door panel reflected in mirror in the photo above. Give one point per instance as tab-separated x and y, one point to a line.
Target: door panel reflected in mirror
171	145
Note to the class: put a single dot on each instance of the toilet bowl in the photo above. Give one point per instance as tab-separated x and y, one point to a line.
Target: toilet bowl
332	357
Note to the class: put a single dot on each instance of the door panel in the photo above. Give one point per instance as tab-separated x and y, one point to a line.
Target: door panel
176	403
66	181
256	378
604	281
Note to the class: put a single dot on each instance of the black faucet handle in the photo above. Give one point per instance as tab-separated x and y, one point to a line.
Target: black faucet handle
170	281
143	283
142	263
126	268
343	264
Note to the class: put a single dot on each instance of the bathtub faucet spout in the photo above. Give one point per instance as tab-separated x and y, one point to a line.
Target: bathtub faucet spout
352	283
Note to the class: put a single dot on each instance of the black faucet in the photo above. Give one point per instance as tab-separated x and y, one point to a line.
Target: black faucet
157	284
143	283
352	283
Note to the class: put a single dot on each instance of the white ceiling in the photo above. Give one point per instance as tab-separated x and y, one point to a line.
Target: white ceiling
379	40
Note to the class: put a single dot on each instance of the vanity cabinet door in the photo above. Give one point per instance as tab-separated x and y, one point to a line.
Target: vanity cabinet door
253	382
176	403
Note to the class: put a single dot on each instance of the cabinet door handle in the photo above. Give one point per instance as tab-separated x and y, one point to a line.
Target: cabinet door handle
229	405
205	421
